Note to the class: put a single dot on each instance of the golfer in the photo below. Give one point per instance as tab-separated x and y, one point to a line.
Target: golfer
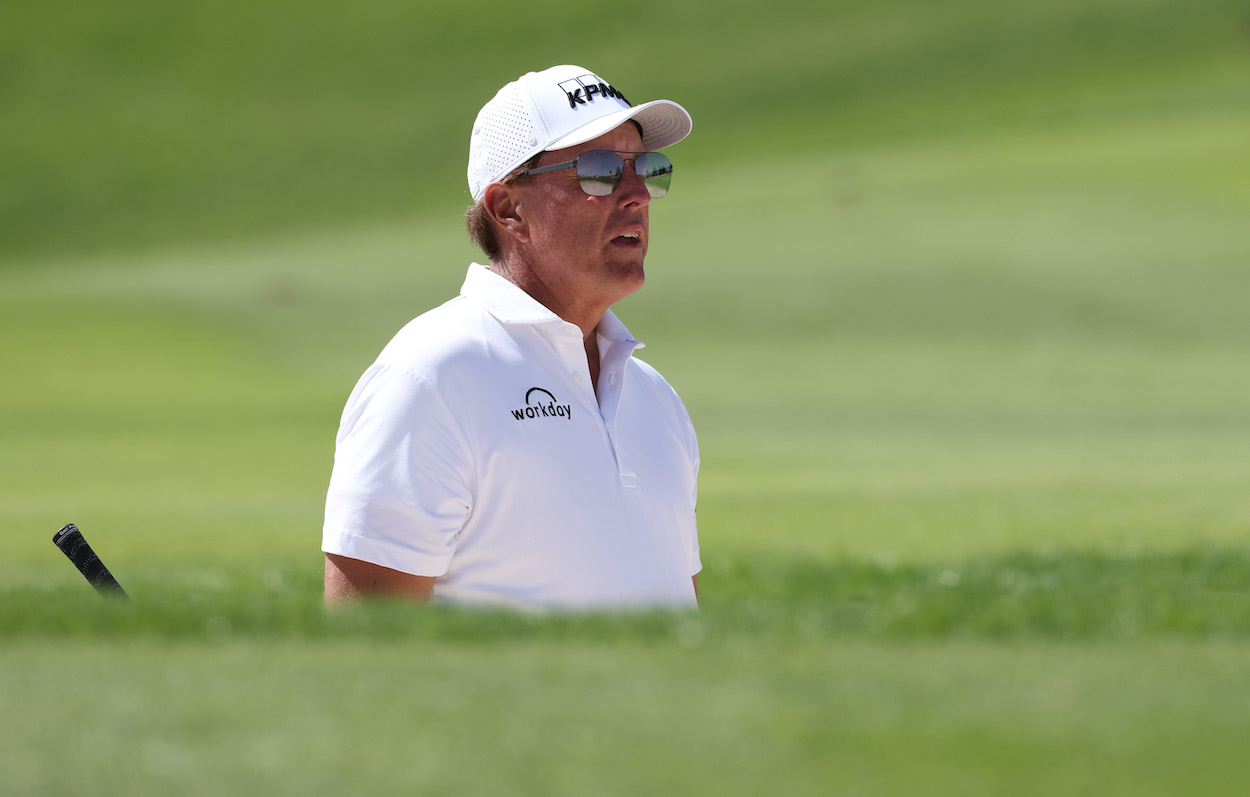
507	449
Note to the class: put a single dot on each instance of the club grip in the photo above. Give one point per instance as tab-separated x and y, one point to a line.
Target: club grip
71	542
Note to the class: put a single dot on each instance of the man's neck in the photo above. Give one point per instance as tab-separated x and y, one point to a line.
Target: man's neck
584	315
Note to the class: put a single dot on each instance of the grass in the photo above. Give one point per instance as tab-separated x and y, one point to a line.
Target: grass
566	716
1059	596
958	309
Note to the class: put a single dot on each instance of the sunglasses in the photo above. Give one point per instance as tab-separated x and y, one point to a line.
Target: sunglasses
599	171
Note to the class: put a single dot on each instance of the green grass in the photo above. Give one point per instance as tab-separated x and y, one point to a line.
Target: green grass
145	124
956	297
572	717
1059	596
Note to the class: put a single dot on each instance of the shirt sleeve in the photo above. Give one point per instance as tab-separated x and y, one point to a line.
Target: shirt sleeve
402	485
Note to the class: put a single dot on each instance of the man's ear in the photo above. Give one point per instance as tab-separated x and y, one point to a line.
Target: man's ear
503	205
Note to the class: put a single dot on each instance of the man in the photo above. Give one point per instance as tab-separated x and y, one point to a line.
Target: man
506	448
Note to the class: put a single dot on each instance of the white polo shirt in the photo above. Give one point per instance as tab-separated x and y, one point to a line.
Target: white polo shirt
474	449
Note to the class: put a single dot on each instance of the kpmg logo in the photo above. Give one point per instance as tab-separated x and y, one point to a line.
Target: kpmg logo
539	403
585	88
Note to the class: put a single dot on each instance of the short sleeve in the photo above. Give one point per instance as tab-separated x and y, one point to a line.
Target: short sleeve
402	483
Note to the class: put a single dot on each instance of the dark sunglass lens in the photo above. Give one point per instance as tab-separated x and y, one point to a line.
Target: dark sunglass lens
598	171
656	171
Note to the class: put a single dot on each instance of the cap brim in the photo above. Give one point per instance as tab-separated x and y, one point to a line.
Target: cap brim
663	124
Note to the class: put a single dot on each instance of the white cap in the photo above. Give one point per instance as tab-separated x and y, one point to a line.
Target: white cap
557	108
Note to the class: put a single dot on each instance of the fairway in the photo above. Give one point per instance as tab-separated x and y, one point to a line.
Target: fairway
958	302
849	718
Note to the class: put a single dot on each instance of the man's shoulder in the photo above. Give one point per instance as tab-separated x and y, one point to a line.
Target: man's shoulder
447	331
656	385
644	370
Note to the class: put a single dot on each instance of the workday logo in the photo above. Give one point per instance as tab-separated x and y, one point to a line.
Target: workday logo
585	88
539	403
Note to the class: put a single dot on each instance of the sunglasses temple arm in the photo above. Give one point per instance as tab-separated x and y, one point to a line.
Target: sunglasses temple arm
555	167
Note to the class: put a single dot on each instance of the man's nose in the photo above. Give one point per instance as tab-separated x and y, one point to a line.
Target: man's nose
632	189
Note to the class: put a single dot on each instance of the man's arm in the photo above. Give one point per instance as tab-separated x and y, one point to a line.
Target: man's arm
350	579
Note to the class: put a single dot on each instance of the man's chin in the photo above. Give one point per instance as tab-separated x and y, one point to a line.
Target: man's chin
630	277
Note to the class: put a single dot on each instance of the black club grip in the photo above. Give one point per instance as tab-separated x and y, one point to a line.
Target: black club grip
71	542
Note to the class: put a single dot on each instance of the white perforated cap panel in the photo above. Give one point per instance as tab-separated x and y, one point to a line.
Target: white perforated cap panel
503	138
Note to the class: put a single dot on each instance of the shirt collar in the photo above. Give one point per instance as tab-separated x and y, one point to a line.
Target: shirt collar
511	305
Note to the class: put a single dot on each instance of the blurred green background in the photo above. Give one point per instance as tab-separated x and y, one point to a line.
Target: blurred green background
956	294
